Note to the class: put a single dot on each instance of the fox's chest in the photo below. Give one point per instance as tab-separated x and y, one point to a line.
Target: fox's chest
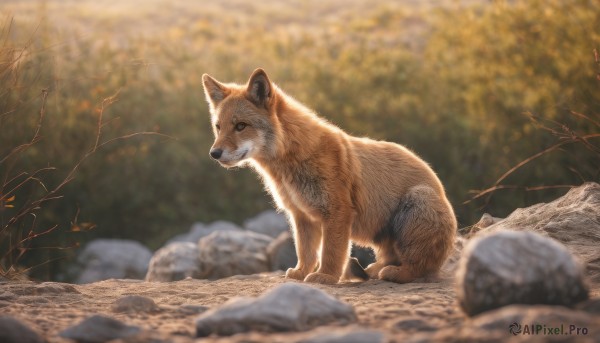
301	188
308	193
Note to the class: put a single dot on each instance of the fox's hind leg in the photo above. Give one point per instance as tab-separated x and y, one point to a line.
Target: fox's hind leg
422	234
398	274
307	238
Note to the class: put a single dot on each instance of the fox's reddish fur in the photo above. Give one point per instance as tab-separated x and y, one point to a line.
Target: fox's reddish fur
335	188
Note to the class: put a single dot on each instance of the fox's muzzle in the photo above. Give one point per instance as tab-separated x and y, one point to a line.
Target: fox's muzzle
216	153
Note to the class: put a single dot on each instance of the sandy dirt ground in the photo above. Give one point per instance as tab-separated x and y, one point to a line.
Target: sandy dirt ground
399	311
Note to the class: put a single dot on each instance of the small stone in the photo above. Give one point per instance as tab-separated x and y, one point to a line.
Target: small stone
14	331
174	262
414	324
288	307
510	267
6	295
193	309
485	221
134	303
4	303
97	329
54	288
347	336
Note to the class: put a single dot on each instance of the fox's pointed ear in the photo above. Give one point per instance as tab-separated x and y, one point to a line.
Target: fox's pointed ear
259	88
214	90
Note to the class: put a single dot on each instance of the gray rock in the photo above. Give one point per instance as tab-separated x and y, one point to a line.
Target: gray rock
134	303
413	324
99	329
485	221
54	288
287	307
192	309
200	230
228	253
103	259
268	223
6	295
573	219
14	331
510	267
346	336
173	262
282	252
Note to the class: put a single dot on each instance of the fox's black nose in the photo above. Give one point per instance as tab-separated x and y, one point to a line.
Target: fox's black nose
216	153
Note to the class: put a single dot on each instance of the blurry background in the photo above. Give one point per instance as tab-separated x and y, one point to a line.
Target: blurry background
474	87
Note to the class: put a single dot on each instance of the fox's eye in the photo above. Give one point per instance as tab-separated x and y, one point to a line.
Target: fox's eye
240	126
218	127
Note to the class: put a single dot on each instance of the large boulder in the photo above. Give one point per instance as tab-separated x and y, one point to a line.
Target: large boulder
173	262
288	307
282	252
573	220
268	223
200	230
508	267
228	253
103	259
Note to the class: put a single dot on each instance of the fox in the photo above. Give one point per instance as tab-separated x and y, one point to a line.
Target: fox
336	189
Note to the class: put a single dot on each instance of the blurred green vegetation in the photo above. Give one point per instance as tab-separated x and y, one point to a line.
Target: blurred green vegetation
451	82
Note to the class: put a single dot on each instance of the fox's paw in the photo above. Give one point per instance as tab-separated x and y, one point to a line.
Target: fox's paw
321	278
373	270
396	274
293	273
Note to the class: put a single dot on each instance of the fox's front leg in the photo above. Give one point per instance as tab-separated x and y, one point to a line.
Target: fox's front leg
335	249
307	237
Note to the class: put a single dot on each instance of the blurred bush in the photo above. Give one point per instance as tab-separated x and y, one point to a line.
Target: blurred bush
450	82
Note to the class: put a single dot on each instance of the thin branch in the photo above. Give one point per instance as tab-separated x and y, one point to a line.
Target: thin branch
125	137
105	104
581	115
36	136
497	185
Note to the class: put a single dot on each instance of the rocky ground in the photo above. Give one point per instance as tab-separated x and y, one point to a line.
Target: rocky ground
385	312
520	278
